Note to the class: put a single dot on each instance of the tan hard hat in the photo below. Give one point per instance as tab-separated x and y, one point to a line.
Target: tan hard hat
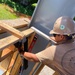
64	25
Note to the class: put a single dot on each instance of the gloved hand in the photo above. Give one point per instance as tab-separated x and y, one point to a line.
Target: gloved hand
21	51
19	46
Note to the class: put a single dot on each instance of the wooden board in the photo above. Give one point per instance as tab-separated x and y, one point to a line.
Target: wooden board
16	66
11	64
8	40
5	63
16	23
11	30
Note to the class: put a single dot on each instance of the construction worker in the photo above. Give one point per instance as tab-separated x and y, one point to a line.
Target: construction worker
61	55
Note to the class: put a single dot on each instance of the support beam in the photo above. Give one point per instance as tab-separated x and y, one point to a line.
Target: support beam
16	23
10	29
5	56
14	58
30	38
33	69
12	39
39	69
16	66
5	63
7	72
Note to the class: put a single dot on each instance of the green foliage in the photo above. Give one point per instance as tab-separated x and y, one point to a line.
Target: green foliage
34	4
28	10
33	1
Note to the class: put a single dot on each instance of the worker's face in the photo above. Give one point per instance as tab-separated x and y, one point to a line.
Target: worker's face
57	37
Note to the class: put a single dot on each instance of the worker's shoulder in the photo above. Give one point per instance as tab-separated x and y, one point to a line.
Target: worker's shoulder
52	47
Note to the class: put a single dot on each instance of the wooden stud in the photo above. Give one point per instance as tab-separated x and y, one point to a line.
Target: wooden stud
5	56
16	66
39	69
10	29
30	38
33	69
12	63
16	23
5	63
12	39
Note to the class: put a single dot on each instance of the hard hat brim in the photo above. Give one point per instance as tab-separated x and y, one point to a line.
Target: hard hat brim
52	32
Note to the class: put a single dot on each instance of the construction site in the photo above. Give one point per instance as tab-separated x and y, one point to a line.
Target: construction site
36	31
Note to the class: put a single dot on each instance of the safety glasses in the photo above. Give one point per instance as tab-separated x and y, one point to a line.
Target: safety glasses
54	35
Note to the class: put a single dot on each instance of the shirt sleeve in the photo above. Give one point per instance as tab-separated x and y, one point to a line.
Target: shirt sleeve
47	54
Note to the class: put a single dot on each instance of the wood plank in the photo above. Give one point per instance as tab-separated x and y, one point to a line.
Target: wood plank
12	63
5	56
16	23
10	29
5	63
39	69
30	38
12	39
33	69
16	66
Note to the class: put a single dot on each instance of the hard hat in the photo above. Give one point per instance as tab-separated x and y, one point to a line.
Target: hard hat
64	25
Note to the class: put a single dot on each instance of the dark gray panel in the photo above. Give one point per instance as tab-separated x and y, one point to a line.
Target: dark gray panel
48	11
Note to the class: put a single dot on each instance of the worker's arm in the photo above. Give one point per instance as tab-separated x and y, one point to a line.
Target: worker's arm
30	56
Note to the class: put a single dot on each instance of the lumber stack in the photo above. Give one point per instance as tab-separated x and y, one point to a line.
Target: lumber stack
10	60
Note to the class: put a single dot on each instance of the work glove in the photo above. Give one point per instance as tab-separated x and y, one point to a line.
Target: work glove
19	46
22	51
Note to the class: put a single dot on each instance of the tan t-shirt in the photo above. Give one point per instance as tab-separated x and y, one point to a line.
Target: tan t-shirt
62	55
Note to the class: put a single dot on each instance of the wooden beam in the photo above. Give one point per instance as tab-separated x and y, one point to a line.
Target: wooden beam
10	29
12	39
5	56
16	66
30	38
12	63
33	69
5	63
16	23
39	69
